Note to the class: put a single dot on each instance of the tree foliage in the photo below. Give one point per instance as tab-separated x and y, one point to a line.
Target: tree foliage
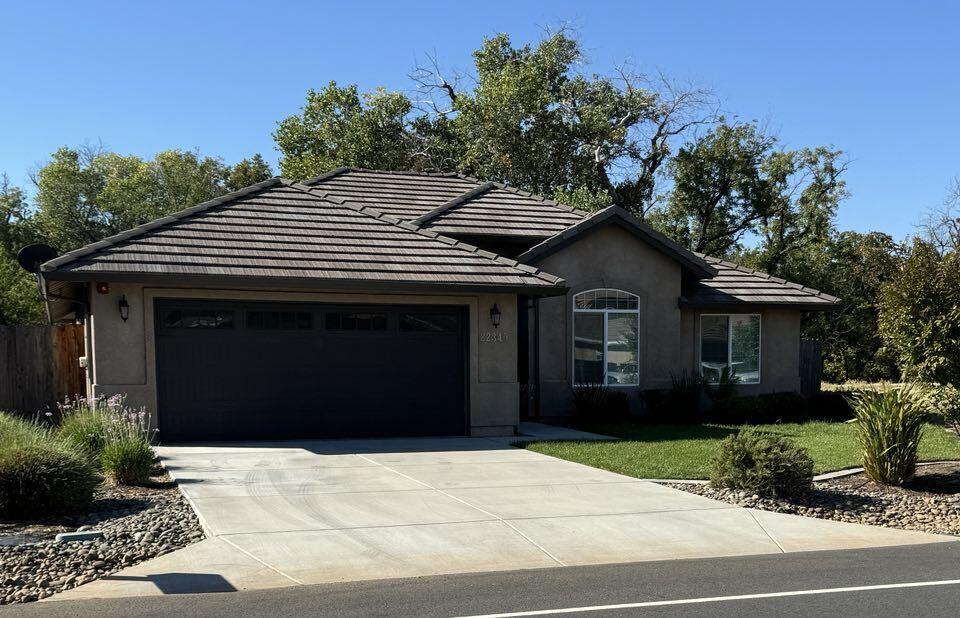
85	194
735	181
249	172
854	267
529	117
920	315
339	127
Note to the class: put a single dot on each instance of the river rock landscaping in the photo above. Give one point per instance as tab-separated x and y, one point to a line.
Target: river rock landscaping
138	523
930	502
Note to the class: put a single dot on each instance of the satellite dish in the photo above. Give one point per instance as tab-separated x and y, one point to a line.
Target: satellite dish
32	256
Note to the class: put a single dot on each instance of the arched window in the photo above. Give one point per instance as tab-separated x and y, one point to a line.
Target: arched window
606	329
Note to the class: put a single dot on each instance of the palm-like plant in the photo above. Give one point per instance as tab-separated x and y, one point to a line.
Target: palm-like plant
889	427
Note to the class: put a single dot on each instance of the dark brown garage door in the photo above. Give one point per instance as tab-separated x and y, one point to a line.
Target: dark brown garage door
291	370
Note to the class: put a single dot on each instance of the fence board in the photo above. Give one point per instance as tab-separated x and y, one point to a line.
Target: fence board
811	366
39	366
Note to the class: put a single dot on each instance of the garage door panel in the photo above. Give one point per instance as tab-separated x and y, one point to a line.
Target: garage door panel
242	382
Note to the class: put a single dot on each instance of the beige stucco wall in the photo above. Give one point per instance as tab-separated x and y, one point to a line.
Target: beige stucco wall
779	349
122	354
611	257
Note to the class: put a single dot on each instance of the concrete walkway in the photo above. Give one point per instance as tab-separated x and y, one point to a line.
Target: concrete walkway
291	513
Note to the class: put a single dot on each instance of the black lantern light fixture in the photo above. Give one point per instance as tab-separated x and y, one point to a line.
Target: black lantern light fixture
124	308
495	315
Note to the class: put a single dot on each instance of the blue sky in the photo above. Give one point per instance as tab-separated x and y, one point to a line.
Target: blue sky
878	80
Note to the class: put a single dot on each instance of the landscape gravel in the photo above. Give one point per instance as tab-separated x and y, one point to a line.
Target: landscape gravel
931	503
137	524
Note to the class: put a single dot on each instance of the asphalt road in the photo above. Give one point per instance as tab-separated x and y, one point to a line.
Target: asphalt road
808	577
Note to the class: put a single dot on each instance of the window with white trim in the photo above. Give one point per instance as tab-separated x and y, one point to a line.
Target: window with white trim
730	342
606	327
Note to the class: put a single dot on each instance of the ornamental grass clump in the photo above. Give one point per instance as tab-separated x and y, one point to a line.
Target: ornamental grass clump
85	423
40	474
762	463
127	456
890	425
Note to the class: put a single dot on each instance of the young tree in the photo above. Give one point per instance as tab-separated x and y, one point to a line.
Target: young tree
920	315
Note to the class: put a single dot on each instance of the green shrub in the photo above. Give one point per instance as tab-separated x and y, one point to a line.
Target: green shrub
40	475
723	389
599	402
945	400
889	428
762	463
682	401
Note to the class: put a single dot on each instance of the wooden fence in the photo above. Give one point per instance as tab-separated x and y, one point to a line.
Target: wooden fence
811	366
39	366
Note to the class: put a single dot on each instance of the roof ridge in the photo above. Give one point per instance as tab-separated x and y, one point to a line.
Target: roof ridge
530	194
376	214
465	177
460	199
156	223
341	170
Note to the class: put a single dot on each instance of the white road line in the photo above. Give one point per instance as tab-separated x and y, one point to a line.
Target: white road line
739	597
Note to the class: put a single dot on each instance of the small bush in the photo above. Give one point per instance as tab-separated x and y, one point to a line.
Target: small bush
945	400
682	401
724	389
40	474
599	402
889	428
762	463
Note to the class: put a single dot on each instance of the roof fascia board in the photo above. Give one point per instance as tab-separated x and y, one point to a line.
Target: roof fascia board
273	283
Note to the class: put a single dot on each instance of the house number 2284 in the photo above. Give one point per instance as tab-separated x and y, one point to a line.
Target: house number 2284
492	336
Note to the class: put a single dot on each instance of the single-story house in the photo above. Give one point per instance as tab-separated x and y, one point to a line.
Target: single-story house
370	303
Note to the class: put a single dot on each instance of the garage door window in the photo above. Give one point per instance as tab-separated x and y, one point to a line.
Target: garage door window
356	321
279	320
428	322
203	318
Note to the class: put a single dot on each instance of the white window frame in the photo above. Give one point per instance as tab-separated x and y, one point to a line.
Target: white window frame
606	340
730	317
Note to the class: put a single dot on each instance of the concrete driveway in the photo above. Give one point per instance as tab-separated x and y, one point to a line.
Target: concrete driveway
289	513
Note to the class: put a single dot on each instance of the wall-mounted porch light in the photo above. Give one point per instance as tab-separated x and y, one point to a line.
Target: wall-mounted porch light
124	308
495	315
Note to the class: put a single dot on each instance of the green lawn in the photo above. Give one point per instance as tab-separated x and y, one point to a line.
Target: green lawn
685	451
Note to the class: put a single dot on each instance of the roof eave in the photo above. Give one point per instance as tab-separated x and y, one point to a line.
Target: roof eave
735	305
357	285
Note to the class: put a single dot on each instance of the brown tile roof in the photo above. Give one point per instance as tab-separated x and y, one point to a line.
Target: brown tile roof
451	203
736	285
282	231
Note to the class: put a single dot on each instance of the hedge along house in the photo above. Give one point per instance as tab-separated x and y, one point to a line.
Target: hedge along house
365	303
